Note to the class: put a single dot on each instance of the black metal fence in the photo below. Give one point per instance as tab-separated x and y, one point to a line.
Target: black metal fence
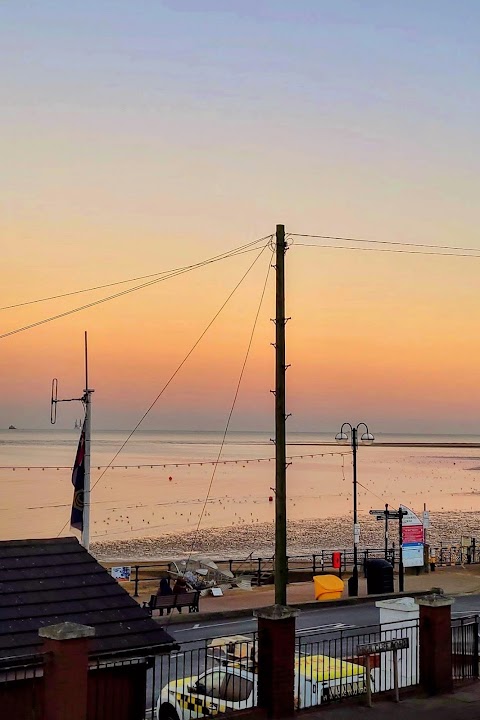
465	642
206	677
329	668
260	569
218	676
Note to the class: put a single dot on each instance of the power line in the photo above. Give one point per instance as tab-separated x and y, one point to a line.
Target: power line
124	292
230	414
373	493
136	279
84	290
358	483
386	250
232	408
175	373
386	242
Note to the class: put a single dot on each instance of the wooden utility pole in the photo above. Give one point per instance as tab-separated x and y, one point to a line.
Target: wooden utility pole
281	562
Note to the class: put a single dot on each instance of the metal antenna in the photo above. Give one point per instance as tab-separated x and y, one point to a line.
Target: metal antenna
54	401
86	362
88	418
86	401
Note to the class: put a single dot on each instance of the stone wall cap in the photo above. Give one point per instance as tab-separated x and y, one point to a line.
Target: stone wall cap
403	604
277	612
435	600
66	631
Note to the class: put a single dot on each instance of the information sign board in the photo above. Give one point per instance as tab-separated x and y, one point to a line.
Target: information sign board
412	539
412	534
382	646
121	573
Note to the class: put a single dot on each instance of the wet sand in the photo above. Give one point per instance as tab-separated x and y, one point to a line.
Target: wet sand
305	537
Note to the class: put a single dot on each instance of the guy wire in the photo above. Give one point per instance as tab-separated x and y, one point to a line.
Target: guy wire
174	374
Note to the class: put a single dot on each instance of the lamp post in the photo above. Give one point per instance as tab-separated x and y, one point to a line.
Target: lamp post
367	439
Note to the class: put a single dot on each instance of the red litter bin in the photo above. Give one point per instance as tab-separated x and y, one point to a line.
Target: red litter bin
337	562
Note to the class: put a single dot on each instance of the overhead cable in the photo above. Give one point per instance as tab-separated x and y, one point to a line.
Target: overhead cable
174	273
389	250
176	371
222	256
232	407
386	242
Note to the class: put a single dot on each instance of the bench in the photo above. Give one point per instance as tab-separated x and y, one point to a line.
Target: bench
170	602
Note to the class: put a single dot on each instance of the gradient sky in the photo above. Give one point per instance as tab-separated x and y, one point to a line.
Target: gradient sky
138	137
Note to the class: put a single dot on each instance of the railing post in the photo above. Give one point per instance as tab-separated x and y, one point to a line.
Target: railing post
135	593
476	659
314	565
259	572
230	565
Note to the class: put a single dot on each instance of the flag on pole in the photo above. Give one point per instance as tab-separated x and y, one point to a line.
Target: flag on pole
78	482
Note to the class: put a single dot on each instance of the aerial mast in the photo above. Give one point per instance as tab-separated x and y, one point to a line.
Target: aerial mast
87	400
80	517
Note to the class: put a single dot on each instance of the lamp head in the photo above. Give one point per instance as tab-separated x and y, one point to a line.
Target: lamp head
367	438
341	437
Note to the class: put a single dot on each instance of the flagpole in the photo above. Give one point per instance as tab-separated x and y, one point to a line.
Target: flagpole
86	491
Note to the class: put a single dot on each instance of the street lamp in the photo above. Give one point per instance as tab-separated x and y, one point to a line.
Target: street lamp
367	439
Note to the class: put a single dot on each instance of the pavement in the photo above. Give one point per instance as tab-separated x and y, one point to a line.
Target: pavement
463	704
453	580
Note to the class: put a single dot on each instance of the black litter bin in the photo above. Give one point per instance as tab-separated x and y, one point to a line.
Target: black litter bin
379	577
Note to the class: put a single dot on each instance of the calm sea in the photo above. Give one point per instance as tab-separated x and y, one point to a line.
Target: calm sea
161	480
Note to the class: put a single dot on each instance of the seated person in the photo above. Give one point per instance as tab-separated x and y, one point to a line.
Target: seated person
164	587
180	586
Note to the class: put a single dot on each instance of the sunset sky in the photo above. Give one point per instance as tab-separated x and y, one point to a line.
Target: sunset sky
140	137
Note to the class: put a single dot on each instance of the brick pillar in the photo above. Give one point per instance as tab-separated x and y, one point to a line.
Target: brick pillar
435	637
276	661
66	670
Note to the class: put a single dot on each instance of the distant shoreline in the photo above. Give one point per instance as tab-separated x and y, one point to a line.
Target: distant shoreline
452	445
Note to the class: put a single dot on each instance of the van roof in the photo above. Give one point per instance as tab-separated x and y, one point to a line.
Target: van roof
323	667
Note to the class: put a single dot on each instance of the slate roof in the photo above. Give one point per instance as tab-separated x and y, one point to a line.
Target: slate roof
45	582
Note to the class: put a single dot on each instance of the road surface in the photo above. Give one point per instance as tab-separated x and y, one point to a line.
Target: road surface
332	625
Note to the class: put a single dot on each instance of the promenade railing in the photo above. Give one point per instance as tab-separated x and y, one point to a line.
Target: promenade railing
335	669
260	569
465	647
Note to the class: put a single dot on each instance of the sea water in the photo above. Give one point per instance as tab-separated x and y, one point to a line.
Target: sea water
164	483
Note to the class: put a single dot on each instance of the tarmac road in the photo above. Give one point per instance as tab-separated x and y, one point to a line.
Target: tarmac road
308	621
332	623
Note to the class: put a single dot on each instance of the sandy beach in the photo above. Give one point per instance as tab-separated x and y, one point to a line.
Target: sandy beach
304	538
